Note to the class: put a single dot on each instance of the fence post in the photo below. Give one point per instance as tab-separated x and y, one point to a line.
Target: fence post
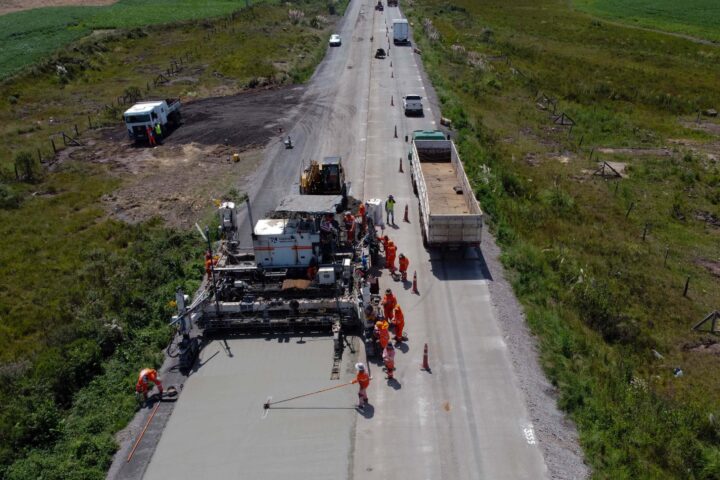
52	142
39	156
77	134
632	205
667	252
687	284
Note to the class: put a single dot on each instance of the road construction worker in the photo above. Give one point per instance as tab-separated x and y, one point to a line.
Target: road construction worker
158	131
399	322
382	332
390	256
150	135
312	268
147	375
404	264
388	302
349	221
390	209
363	380
361	212
389	360
384	240
208	262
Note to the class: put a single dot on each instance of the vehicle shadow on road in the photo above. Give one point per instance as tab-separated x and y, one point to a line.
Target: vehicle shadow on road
468	264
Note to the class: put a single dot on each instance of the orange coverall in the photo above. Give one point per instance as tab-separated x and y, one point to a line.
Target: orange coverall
388	302
399	323
390	252
147	375
363	379
404	264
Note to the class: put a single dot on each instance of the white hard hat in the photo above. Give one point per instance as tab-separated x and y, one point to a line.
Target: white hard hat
360	367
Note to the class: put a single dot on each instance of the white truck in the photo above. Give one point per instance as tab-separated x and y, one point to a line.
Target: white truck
450	216
412	105
148	114
401	35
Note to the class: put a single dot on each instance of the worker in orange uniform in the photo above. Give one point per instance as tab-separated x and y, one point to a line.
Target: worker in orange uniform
150	135
390	256
404	264
208	262
399	322
389	360
148	375
382	331
363	379
388	302
384	240
349	221
361	214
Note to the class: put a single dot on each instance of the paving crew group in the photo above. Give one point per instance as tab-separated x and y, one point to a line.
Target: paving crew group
392	312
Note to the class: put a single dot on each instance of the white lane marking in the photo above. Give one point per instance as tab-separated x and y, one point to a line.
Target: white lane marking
433	122
363	139
530	435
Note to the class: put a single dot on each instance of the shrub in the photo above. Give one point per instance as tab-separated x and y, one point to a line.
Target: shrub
27	168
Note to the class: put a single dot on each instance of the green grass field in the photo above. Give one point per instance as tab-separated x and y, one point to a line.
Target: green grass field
32	35
700	18
586	253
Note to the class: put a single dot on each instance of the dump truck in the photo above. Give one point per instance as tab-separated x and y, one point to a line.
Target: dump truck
325	178
450	216
144	115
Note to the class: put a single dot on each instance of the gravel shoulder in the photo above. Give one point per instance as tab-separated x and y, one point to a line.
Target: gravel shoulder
556	433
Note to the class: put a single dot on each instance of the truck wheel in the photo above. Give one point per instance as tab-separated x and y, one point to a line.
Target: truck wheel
415	190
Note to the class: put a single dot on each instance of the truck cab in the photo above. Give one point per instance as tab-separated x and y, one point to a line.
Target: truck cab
148	114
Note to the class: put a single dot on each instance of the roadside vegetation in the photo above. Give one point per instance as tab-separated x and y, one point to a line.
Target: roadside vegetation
84	300
692	17
29	36
599	261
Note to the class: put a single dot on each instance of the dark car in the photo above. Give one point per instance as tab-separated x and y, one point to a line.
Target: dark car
379	7
380	53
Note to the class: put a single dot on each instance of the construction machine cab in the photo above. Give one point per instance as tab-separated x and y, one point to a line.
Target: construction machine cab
326	178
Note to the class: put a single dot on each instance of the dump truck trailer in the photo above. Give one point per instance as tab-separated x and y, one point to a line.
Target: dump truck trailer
450	216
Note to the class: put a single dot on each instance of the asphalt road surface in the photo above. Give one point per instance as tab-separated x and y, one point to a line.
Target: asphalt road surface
465	419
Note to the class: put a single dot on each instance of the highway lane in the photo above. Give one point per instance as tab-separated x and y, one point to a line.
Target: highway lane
467	418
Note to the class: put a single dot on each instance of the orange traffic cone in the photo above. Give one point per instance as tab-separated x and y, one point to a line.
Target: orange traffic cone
400	169
406	219
425	364
415	289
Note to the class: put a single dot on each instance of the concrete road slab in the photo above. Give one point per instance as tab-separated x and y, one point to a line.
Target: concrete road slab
220	430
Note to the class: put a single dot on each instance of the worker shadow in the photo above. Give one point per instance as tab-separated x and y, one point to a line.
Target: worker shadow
403	347
468	264
367	412
393	382
199	363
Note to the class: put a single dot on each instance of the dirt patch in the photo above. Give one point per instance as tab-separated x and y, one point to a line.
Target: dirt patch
656	152
180	184
712	266
709	127
178	180
7	6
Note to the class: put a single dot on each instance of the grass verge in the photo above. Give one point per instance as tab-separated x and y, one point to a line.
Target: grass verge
698	18
599	262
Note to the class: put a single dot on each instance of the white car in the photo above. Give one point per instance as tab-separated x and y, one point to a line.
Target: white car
335	40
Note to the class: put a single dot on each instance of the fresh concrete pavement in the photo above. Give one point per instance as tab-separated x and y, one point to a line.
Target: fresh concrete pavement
464	419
